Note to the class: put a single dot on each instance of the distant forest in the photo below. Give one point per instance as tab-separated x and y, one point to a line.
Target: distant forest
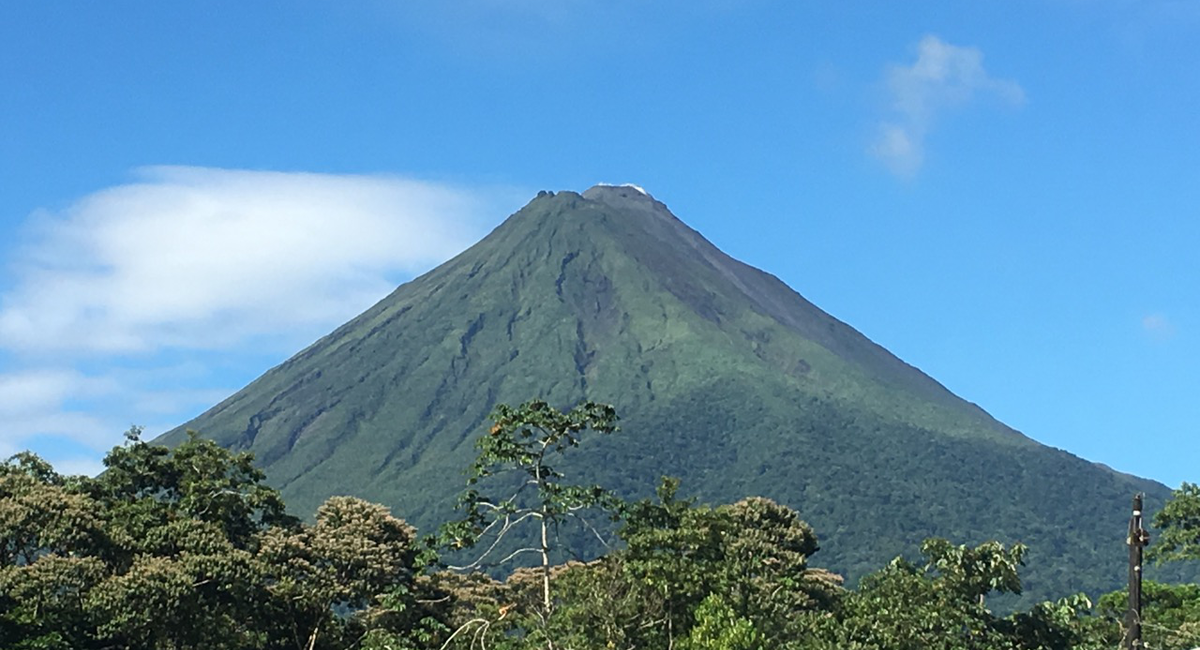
189	548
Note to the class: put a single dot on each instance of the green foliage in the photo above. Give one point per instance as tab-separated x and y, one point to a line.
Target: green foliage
1053	625
749	558
44	514
902	607
43	603
976	572
674	550
1170	615
528	441
940	606
718	627
752	556
600	606
766	574
356	553
1179	525
148	486
189	549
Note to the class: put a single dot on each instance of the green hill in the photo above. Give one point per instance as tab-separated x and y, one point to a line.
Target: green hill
722	374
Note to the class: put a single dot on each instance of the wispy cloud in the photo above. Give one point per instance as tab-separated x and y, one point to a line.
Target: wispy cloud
118	303
203	258
1158	327
942	78
35	402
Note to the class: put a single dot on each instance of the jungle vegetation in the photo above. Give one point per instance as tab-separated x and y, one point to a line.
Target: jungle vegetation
188	548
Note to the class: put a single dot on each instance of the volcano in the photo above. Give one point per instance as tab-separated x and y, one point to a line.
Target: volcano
723	376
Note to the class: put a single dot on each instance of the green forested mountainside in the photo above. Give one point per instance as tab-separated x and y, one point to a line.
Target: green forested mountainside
724	377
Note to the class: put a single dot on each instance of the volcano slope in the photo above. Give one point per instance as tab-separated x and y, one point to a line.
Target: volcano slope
723	376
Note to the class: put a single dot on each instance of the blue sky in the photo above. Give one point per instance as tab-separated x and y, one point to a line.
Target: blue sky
1006	194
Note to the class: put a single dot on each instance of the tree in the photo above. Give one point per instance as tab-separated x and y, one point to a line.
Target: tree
1170	616
600	606
51	536
44	513
752	556
188	548
355	556
204	593
113	561
975	572
765	572
1179	526
186	525
147	485
674	551
524	446
940	606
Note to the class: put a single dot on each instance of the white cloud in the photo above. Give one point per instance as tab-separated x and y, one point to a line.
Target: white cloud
203	258
23	393
900	149
943	77
130	305
80	429
37	402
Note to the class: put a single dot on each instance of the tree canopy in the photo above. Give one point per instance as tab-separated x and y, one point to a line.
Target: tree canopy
190	548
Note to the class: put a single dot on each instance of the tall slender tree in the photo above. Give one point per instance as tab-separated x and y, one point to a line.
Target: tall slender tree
516	480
